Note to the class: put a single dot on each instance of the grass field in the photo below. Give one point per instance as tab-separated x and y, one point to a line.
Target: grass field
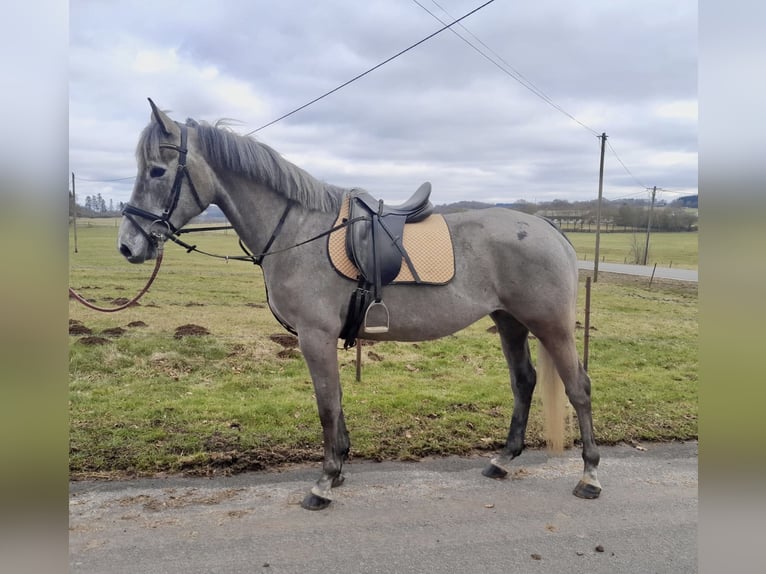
145	400
665	249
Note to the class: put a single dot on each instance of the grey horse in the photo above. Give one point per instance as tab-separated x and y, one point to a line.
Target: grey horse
517	268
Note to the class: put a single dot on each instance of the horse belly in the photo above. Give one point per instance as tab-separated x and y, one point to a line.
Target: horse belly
419	313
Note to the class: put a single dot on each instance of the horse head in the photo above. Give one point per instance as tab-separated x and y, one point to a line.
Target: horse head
173	185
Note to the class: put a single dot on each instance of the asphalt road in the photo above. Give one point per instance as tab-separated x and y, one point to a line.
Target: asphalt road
435	516
643	270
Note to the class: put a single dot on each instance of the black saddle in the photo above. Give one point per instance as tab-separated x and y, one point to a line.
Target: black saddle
374	244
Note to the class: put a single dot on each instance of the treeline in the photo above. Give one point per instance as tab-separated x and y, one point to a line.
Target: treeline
95	206
618	215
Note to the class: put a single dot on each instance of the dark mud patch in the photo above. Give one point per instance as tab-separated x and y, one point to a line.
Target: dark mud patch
114	332
235	461
285	340
79	329
137	324
190	330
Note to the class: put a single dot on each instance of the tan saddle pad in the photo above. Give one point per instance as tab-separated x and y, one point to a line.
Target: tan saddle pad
428	243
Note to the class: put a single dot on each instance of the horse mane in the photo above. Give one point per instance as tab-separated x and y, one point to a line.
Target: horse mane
224	149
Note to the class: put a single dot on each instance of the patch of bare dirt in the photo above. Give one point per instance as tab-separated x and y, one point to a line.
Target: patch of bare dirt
285	340
373	356
93	341
289	354
194	304
137	324
113	332
219	442
190	330
235	461
256	305
79	329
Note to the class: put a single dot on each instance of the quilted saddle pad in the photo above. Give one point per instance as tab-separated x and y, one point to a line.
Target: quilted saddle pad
428	243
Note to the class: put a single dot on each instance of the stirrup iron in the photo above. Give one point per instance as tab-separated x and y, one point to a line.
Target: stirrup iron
376	318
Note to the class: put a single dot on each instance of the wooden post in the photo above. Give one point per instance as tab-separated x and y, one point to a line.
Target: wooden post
74	214
649	225
598	209
358	360
586	337
652	277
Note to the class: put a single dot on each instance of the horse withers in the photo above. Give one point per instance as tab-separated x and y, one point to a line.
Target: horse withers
517	268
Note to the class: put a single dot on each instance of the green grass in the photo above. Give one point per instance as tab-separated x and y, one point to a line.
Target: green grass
665	249
147	402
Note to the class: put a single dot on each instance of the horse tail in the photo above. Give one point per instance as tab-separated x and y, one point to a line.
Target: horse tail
554	400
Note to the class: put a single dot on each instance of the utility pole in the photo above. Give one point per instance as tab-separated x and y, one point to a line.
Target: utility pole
598	208
649	224
74	214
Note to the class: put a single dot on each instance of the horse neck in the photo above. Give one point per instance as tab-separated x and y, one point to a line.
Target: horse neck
254	210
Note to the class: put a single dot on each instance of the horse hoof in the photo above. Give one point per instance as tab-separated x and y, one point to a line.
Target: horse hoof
585	490
338	480
314	502
492	471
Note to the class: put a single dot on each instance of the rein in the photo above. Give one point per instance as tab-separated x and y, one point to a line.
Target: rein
157	238
134	300
256	259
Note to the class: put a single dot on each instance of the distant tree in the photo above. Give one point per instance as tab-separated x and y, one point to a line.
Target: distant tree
524	206
629	215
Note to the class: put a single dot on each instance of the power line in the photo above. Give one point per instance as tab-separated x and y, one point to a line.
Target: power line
635	193
508	69
105	180
355	78
630	173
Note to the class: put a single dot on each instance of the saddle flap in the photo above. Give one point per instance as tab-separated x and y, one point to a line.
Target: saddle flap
371	243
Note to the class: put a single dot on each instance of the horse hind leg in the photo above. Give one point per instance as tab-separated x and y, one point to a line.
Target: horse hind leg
577	384
515	344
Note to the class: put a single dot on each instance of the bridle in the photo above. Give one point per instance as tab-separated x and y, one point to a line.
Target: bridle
161	227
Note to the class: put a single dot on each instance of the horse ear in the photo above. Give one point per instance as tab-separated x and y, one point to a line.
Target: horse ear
162	118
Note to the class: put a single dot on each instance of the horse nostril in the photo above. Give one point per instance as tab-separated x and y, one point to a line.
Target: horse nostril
125	250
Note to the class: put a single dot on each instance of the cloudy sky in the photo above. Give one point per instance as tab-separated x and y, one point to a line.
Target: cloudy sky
441	112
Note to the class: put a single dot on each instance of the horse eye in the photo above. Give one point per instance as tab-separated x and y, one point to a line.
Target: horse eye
157	172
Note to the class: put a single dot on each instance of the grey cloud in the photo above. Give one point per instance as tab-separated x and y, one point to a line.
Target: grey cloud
441	105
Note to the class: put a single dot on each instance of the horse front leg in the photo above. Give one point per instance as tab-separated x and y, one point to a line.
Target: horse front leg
321	354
